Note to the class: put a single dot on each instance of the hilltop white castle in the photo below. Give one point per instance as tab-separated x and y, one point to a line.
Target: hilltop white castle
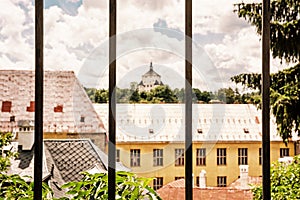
150	80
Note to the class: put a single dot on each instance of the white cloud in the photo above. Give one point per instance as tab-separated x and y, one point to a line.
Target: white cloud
15	47
69	39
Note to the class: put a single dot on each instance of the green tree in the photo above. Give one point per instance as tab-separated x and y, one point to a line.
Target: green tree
285	181
91	93
101	96
95	186
135	97
204	96
285	45
226	95
123	95
179	93
162	93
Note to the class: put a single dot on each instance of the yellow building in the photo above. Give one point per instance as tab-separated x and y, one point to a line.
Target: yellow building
150	141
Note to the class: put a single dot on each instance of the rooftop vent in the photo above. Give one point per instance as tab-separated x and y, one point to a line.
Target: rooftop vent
199	130
246	130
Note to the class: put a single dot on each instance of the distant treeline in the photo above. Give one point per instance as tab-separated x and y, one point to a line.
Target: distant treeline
164	94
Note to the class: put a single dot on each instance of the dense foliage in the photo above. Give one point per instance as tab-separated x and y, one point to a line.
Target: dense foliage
285	44
95	186
285	181
5	156
285	102
164	94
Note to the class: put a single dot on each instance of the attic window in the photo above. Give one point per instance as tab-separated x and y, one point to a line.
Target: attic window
30	108
6	106
151	131
199	130
82	119
58	108
246	130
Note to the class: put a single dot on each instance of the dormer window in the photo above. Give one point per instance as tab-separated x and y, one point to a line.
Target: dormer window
151	131
6	106
246	130
199	130
30	108
58	108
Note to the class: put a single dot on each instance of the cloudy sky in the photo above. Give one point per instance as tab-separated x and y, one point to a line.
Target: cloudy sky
76	38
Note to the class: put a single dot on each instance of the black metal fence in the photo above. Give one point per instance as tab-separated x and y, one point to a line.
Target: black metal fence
39	35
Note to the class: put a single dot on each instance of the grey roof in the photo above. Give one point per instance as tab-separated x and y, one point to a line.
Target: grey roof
141	83
151	72
72	157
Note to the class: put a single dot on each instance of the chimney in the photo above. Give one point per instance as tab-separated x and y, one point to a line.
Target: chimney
202	179
25	134
244	176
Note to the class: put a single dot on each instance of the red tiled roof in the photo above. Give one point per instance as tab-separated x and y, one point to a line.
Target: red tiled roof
176	191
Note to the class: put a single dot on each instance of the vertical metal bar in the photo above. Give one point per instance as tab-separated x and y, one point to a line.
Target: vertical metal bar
188	102
112	101
38	117
266	99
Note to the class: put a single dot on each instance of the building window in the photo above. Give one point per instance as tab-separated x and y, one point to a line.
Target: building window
201	157
158	183
117	155
284	152
12	118
82	119
179	157
243	156
221	156
135	156
6	106
259	155
197	181
178	177
221	181
157	157
151	131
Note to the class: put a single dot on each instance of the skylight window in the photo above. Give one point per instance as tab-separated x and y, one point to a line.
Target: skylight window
199	130
246	130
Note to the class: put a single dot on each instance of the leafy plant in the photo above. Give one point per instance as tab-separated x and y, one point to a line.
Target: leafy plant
15	187
285	181
95	186
5	156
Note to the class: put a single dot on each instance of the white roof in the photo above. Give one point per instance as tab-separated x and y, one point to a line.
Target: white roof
165	122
